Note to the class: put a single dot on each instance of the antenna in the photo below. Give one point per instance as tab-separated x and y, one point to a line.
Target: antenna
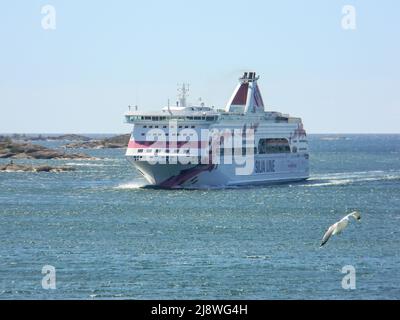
183	93
169	108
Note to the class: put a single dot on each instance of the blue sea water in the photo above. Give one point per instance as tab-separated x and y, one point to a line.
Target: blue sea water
110	239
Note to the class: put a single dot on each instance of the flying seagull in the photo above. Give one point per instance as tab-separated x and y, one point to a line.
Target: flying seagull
339	226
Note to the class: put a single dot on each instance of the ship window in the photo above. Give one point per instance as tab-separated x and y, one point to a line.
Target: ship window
186	126
273	146
167	134
144	126
155	126
147	118
193	126
150	127
140	150
180	127
294	150
164	127
148	151
143	134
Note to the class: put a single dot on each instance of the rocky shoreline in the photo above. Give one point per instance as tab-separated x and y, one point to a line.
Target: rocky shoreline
40	137
120	141
12	167
16	150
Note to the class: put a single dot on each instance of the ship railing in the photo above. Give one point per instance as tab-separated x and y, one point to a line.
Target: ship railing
140	118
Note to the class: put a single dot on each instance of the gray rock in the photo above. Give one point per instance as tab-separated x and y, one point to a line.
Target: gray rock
120	141
12	167
15	150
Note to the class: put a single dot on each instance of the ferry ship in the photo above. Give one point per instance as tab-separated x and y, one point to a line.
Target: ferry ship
194	146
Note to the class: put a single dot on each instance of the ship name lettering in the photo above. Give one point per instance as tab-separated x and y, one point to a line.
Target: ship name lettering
264	166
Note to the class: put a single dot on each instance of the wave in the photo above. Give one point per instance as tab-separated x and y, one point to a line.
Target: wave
345	178
85	164
261	257
331	179
131	185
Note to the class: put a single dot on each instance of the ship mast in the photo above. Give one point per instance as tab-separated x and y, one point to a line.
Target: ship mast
183	93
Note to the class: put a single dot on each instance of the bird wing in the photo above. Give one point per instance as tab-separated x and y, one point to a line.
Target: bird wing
328	234
341	225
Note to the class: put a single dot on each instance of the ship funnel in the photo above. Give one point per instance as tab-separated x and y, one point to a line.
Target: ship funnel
247	96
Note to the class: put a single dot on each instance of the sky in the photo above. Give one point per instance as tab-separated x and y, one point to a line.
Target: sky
105	55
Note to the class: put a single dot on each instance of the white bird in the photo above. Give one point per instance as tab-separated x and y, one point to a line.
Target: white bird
338	227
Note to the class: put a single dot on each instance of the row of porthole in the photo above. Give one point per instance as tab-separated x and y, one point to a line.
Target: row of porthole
136	158
159	150
167	134
180	127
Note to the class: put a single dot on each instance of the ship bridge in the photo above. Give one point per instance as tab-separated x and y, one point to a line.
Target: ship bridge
182	111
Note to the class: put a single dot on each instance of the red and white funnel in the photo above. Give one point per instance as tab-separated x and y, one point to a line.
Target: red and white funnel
247	96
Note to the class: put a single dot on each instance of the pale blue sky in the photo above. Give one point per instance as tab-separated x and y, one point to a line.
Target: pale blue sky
105	55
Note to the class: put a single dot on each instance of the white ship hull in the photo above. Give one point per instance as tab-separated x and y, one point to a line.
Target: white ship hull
287	168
